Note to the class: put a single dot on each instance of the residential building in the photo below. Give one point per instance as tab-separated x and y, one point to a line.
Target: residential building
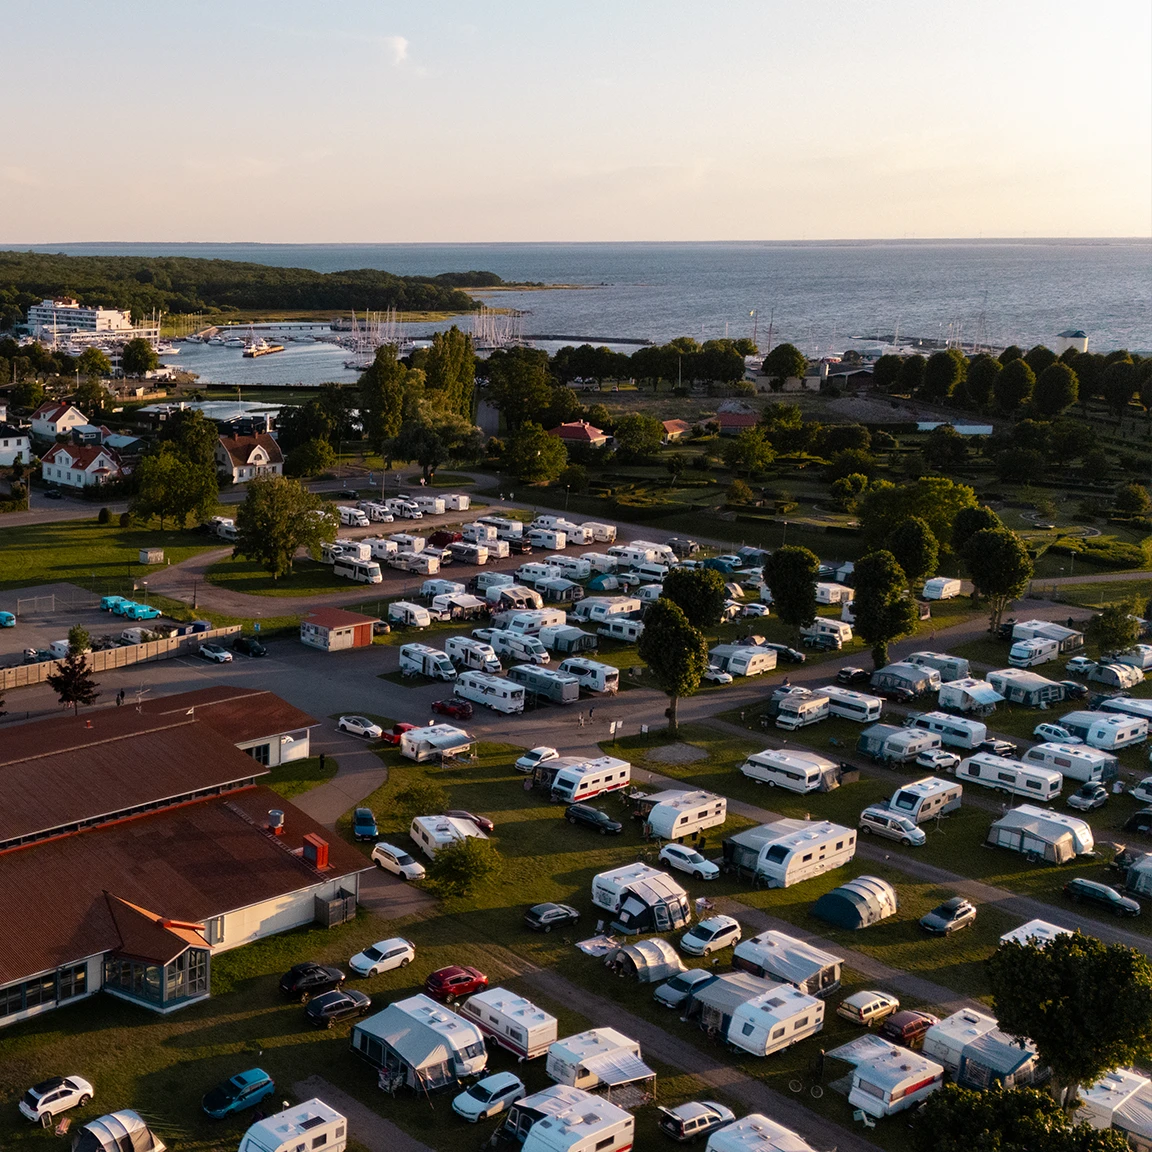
246	457
57	317
734	417
56	418
333	629
580	432
675	430
75	466
15	444
1072	338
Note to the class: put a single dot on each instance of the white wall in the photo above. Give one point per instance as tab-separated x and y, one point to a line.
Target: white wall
291	910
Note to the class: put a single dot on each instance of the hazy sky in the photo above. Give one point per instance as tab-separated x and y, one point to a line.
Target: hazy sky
375	121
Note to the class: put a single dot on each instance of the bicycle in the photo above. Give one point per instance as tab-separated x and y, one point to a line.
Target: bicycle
814	1090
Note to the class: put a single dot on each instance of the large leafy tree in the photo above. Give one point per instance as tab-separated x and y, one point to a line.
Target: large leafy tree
94	362
1057	388
72	681
971	520
1000	568
432	437
310	459
885	372
699	592
1118	384
192	435
1114	628
519	385
675	652
303	423
638	437
884	611
90	396
382	390
451	371
942	373
1133	500
458	869
790	573
138	357
1013	388
784	362
1085	1005
915	549
980	383
532	456
172	487
278	517
750	451
935	499
911	374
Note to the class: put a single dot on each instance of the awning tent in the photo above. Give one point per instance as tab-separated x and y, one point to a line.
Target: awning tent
857	904
617	1068
650	961
121	1131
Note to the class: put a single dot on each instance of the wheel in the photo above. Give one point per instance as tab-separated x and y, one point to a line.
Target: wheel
405	962
571	819
698	874
865	830
547	928
329	1023
816	1091
305	997
84	1100
603	831
771	783
905	841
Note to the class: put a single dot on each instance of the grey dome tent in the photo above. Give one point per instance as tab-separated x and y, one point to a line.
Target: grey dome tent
117	1132
858	903
650	961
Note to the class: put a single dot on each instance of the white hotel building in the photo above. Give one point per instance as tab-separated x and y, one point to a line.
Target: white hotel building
66	316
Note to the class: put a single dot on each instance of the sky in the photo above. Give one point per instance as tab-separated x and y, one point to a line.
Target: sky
372	121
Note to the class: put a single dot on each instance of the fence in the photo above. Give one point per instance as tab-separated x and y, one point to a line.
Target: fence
24	675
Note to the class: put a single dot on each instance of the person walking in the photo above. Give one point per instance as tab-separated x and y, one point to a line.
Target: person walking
323	761
581	719
591	713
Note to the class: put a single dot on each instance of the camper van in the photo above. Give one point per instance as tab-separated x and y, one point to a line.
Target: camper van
798	711
437	587
465	652
1075	762
627	631
407	543
547	538
431	833
674	814
332	551
742	659
311	1124
513	647
924	800
419	563
600	562
409	614
789	851
1108	730
795	771
954	731
852	705
570	567
776	956
777	1018
430	505
546	683
530	622
1011	776
492	691
361	571
949	667
588	779
421	660
505	529
600	609
1027	653
465	552
379	548
353	518
593	676
940	588
479	533
511	1021
601	533
376	513
403	507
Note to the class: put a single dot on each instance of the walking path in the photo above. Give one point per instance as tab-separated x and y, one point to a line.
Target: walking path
365	1125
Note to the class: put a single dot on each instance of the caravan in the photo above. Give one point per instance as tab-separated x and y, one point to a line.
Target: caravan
793	770
530	622
492	691
601	533
798	711
478	533
407	543
789	851
927	799
1042	835
780	1016
563	1119
583	779
600	562
941	588
361	571
565	638
409	614
593	676
434	741
852	705
888	744
506	529
1011	776
1075	762
674	814
579	1061
952	730
511	1021
430	505
431	833
379	548
622	629
570	567
1106	730
546	683
742	659
949	667
465	652
433	588
311	1124
547	538
601	609
457	501
836	632
776	956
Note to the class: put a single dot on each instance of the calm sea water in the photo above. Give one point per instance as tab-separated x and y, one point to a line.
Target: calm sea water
823	296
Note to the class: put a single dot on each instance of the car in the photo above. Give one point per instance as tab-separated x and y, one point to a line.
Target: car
455	980
364	824
328	1010
545	917
593	818
393	734
1055	734
687	1123
716	675
541	755
248	646
683	546
868	1007
710	936
938	760
755	610
824	641
852	675
443	537
215	653
1140	822
7	620
303	981
1088	797
1093	892
791	655
673	993
481	822
685	858
244	1090
54	494
484	634
894	825
954	914
1073	690
907	1027
360	726
397	861
141	612
1079	665
457	709
348	494
519	548
383	956
489	1097
46	1100
895	693
997	747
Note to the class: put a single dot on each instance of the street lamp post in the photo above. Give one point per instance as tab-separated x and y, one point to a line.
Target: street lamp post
567	493
145	591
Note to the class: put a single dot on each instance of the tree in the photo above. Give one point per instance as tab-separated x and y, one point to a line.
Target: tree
850	461
955	1119
433	437
942	373
1119	383
138	357
458	869
945	447
1114	628
699	592
971	520
1000	568
1133	500
638	437
90	396
382	396
310	459
94	362
935	499
739	492
750	451
574	478
533	456
883	609
848	489
915	549
784	362
1014	386
886	372
980	384
675	652
72	681
1012	352
173	488
192	436
278	517
424	798
79	638
519	385
451	371
790	573
27	395
911	374
1039	358
1020	465
1056	389
1085	1005
843	438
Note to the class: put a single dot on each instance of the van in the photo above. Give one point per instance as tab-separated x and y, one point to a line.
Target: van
516	647
352	517
547	538
794	771
1027	653
852	705
627	631
949	667
571	567
377	513
926	799
1011	776
379	548
465	652
798	711
593	676
1075	762
652	572
600	562
465	552
492	691
429	505
1107	730
421	660
952	730
588	779
411	615
361	571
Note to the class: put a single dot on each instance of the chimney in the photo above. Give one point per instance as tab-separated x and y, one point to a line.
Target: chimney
87	723
316	850
276	822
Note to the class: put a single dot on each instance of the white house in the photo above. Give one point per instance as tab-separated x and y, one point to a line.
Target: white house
80	466
56	418
246	457
14	445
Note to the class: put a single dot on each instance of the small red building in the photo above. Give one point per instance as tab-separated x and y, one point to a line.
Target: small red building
580	432
333	629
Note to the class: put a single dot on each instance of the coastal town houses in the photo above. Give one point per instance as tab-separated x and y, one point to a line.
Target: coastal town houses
246	457
56	418
734	417
15	445
580	432
81	465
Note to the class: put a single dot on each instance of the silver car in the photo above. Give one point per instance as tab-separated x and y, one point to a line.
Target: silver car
893	825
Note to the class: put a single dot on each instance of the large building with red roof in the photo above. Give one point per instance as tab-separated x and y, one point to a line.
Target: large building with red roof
80	465
580	432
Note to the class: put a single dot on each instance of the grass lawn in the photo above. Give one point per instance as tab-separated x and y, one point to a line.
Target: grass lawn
1107	592
299	776
307	578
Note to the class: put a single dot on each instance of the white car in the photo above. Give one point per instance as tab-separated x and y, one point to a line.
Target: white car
360	726
215	653
397	861
1055	734
489	1097
1080	665
710	936
687	859
383	956
938	760
46	1100
755	610
541	755
716	675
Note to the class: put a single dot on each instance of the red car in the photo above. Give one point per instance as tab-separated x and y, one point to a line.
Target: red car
457	709
393	734
443	538
481	822
455	980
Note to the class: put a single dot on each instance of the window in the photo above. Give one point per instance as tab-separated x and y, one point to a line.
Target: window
747	1030
607	1142
320	1141
806	858
778	1032
72	981
262	753
11	1000
801	1023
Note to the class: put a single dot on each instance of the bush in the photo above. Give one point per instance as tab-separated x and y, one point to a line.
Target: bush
459	869
1106	551
104	516
125	519
739	493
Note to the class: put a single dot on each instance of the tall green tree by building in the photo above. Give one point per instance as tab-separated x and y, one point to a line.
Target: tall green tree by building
699	592
883	609
675	652
915	549
450	372
279	517
1000	568
790	574
72	681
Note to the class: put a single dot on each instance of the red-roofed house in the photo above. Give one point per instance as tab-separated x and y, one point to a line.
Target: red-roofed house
247	457
675	430
333	629
80	465
733	423
580	432
55	418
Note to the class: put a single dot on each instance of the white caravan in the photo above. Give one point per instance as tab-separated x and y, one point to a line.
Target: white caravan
949	667
851	705
563	1119
1010	776
674	814
952	730
405	612
511	1021
407	543
380	548
516	647
492	691
622	629
926	799
578	1060
791	851
1075	762
775	955
600	609
1106	729
431	833
779	1017
587	779
940	588
793	770
311	1124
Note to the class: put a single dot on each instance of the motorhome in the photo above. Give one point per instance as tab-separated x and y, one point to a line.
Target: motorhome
571	568
851	705
648	594
403	507
564	638
969	695
742	659
789	851
479	533
430	505
530	622
312	1124
578	1060
643	899
600	562
601	533
437	587
776	956
546	683
949	667
940	588
1128	706
1120	675
405	542
547	538
914	678
409	614
1043	835
353	518
954	731
505	529
1075	762
465	652
331	551
796	711
587	779
792	770
600	609
822	626
421	660
434	742
520	648
1107	730
653	573
535	571
675	813
465	552
628	556
893	1080
622	629
1010	776
657	553
827	593
380	548
926	799
888	744
360	571
593	676
511	1021
457	502
431	833
1028	653
563	1119
492	691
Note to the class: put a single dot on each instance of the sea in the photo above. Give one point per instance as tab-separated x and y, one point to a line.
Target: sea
823	296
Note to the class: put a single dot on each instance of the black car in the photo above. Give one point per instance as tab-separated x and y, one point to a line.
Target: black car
1073	689
1004	631
1094	892
786	653
996	747
309	979
329	1009
248	646
54	494
853	676
349	494
545	917
896	694
594	818
520	547
823	642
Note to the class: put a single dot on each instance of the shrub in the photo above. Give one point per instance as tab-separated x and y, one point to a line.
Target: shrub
125	519
739	493
104	516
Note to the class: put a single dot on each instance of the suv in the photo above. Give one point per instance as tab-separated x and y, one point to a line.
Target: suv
907	1027
456	980
1055	734
396	861
867	1007
364	824
895	826
954	914
1096	893
248	646
710	936
689	1122
786	653
46	1100
1003	748
850	675
593	818
938	760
